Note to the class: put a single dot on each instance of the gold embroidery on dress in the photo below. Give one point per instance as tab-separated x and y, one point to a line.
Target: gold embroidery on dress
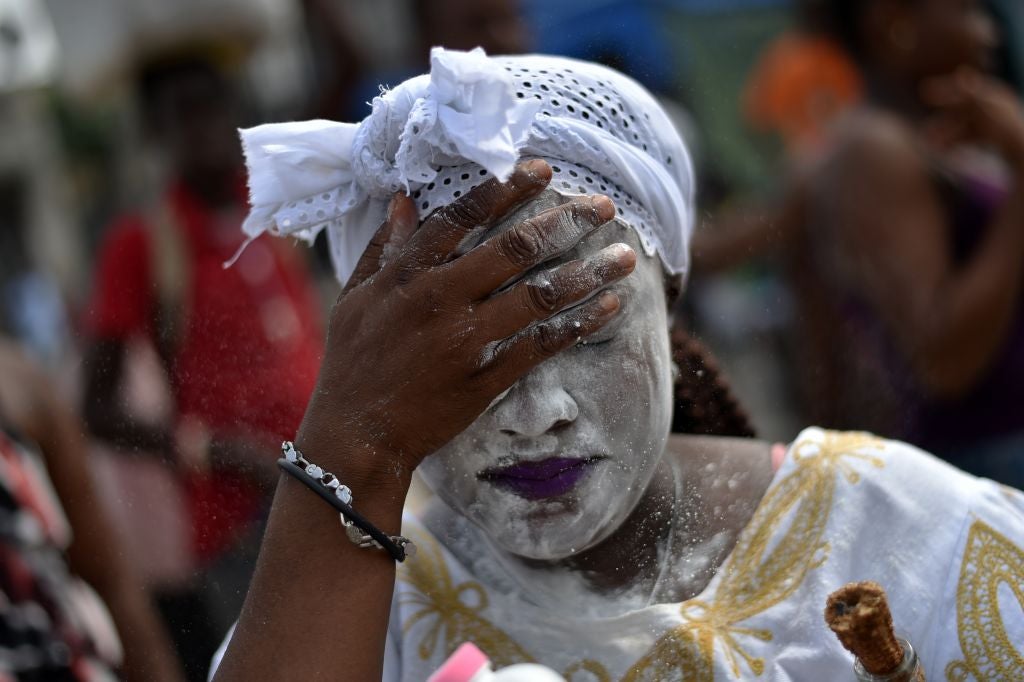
755	579
752	580
594	672
990	560
456	621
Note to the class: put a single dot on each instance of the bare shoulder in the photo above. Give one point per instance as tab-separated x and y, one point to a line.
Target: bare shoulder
874	159
871	134
724	465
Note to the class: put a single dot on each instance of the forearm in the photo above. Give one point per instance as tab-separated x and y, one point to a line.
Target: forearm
148	653
972	313
314	591
738	236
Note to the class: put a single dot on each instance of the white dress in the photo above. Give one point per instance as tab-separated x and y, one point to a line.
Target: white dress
947	547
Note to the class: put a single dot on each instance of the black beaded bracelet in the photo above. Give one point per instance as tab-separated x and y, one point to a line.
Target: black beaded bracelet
360	531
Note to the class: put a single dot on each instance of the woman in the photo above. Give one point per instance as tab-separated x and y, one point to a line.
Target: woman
912	279
513	347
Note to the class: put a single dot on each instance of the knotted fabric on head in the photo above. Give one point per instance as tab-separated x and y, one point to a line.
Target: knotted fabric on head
437	136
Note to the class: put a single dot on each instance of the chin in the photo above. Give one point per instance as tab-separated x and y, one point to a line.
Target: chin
548	541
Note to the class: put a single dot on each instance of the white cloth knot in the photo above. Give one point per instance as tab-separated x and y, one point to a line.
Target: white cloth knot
437	136
306	176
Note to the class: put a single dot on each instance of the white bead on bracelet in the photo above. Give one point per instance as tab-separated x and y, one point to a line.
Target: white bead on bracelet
343	492
358	530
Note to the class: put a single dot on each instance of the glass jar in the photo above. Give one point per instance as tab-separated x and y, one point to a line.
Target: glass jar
910	670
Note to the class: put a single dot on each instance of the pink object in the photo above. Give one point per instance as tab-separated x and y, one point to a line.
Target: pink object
778	454
462	666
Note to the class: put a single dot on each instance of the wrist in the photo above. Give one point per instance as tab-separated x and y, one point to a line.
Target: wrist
364	466
373	498
337	439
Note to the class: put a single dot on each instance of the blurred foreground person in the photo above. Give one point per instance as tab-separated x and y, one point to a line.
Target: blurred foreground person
240	346
53	536
914	257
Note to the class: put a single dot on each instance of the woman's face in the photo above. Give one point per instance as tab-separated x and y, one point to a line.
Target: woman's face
558	462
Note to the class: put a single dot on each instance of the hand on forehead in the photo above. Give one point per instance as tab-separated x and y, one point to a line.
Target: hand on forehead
551	207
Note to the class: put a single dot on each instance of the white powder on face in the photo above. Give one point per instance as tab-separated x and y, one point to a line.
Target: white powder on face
612	400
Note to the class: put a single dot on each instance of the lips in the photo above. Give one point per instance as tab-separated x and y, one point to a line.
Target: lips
547	478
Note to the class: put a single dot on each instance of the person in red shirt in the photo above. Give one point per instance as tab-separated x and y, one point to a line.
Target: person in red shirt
241	345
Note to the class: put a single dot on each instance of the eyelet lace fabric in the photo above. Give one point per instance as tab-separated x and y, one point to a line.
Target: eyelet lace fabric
438	136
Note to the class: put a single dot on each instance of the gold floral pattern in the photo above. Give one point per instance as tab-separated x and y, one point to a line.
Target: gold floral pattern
456	621
990	560
754	579
592	671
781	544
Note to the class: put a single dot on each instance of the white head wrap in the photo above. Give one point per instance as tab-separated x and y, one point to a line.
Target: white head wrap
437	136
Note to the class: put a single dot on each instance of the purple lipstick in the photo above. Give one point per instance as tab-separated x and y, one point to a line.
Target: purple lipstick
550	477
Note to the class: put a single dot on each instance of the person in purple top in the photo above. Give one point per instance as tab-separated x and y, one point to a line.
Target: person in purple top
916	241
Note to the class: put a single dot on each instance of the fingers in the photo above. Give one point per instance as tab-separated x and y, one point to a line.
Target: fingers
955	98
510	359
546	294
405	221
530	243
945	91
398	227
441	234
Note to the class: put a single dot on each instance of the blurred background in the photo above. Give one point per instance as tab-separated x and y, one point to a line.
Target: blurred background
122	191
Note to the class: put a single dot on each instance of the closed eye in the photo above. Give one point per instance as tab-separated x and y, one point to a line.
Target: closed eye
590	342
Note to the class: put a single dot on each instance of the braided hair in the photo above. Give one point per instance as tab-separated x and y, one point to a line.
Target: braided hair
704	403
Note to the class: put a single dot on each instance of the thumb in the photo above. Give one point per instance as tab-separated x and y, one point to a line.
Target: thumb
404	221
399	223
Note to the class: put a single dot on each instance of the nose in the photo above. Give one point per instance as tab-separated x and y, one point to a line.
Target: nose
537	404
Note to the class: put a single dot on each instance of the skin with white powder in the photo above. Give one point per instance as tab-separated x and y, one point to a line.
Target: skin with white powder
644	522
608	399
626	516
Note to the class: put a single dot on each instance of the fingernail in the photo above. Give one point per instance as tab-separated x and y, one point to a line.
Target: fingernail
603	206
536	169
623	254
391	206
620	249
608	302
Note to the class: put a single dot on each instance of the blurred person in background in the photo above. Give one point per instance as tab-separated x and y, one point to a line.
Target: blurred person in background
911	265
55	536
801	83
498	26
240	346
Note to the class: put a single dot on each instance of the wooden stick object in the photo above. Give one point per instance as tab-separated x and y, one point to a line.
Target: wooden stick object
858	613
